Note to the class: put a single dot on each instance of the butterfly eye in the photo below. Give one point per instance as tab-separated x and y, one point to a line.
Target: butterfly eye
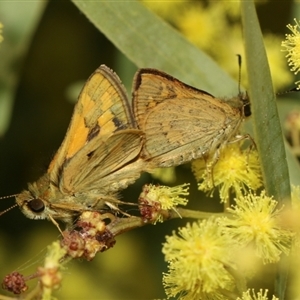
36	205
247	109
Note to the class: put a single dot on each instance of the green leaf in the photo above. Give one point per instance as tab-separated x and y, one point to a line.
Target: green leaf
268	133
267	128
148	41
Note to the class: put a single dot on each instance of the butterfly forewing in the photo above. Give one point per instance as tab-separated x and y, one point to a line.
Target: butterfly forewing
102	109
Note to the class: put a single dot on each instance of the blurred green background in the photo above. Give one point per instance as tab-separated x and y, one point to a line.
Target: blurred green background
41	73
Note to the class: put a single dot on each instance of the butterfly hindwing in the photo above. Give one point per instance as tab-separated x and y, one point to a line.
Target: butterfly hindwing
89	168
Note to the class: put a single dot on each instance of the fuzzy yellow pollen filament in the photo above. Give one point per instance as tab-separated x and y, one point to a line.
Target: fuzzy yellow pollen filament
252	295
236	170
291	45
156	201
198	261
256	220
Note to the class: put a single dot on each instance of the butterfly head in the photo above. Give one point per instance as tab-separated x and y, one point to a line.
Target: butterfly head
242	103
35	204
32	206
246	106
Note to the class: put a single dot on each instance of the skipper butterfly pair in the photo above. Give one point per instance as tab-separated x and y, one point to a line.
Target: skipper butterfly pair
108	144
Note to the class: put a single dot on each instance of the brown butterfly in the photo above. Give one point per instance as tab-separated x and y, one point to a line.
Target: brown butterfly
98	157
180	122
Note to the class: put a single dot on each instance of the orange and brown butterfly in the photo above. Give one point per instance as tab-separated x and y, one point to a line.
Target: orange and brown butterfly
180	122
98	157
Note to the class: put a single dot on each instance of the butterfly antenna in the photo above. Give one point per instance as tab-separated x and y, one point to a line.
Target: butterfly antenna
10	196
8	209
240	72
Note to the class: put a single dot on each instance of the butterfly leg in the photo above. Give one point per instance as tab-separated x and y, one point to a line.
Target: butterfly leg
210	166
245	137
117	209
238	138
